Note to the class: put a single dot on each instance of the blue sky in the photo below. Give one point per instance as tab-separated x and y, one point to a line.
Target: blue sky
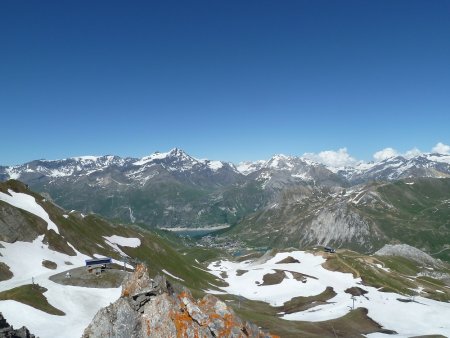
229	80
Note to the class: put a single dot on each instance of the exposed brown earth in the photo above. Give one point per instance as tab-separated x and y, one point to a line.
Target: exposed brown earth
288	260
49	264
297	304
5	273
273	278
356	291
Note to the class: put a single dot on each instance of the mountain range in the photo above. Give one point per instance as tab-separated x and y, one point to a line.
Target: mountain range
107	170
282	201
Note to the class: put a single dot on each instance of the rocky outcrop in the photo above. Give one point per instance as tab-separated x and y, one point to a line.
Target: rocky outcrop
7	331
150	308
5	272
409	252
12	222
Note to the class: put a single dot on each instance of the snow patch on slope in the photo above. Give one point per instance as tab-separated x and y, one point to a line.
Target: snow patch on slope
173	276
423	317
124	241
152	157
79	303
28	203
247	168
214	165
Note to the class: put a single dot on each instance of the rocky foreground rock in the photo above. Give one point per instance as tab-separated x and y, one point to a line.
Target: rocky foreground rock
150	308
7	331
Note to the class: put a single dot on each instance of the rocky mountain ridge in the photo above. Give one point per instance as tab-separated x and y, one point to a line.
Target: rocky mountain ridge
176	160
398	167
128	170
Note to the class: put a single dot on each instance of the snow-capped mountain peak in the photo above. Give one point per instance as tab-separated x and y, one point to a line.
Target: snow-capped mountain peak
398	167
177	162
213	165
177	159
173	154
72	166
280	161
248	167
276	162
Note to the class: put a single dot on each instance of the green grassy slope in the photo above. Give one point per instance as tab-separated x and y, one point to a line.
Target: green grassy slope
420	215
161	202
33	295
403	276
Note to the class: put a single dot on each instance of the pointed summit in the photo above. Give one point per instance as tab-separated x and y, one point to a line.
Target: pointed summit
179	153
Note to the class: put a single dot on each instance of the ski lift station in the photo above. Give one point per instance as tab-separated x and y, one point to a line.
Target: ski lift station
97	265
329	249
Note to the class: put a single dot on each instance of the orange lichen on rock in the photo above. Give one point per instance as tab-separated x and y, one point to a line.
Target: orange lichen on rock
182	322
151	310
229	323
147	322
185	294
137	281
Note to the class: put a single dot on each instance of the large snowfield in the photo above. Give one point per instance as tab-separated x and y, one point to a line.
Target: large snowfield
79	303
422	317
24	259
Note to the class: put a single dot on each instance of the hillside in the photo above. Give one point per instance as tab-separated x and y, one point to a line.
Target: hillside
313	294
411	211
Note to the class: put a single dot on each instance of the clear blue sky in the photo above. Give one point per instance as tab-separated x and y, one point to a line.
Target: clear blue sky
229	80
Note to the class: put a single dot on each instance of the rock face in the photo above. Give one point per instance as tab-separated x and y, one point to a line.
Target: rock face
7	331
11	224
150	308
407	251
